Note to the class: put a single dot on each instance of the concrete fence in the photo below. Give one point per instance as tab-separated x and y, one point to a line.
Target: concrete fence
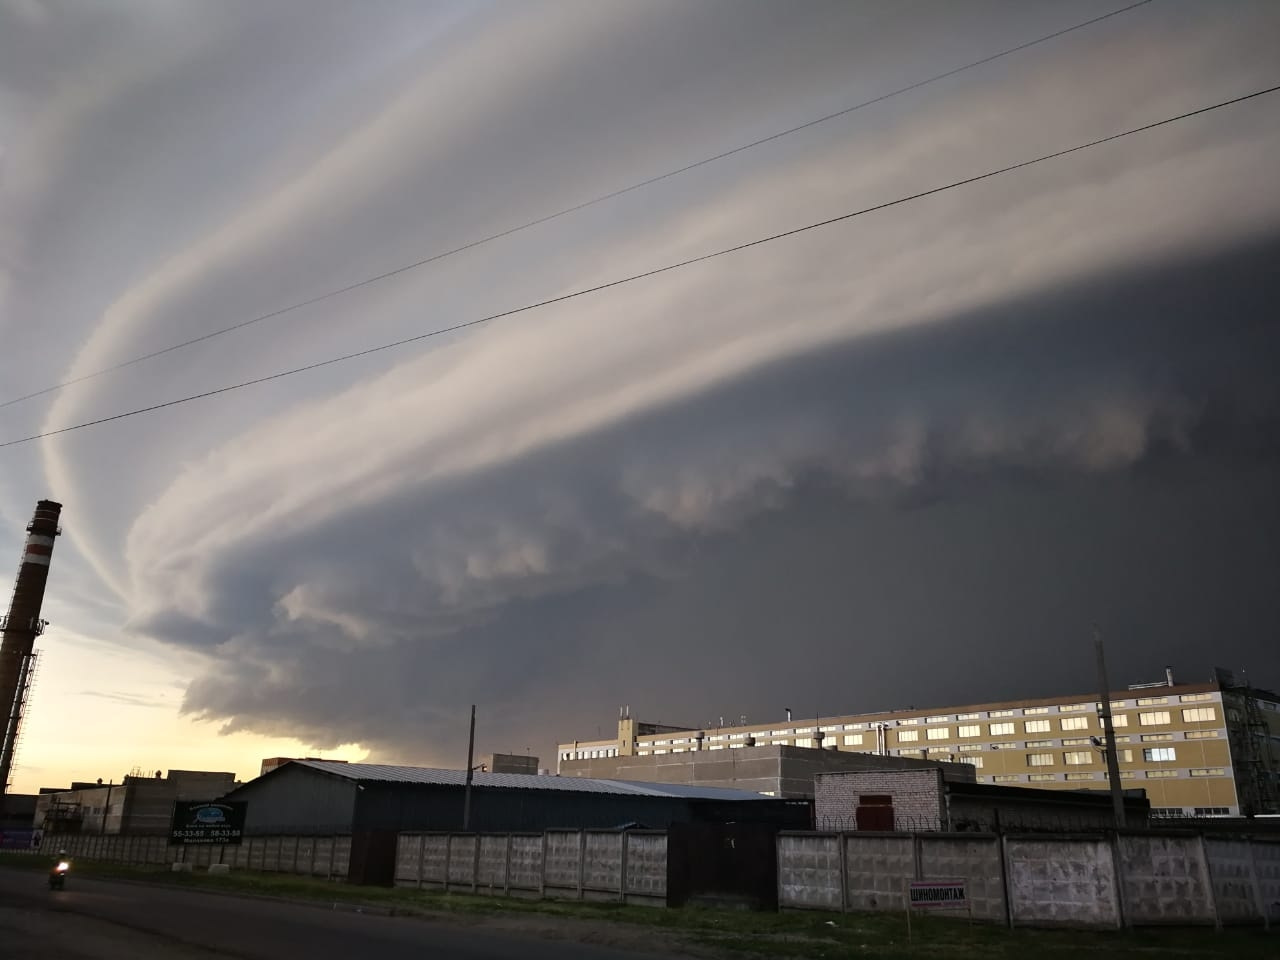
1042	880
327	857
620	866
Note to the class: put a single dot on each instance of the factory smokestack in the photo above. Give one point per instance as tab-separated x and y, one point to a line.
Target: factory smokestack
21	627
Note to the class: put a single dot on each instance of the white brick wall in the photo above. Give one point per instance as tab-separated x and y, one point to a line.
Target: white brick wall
917	797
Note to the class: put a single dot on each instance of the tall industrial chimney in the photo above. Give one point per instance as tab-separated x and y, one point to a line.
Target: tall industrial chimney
22	626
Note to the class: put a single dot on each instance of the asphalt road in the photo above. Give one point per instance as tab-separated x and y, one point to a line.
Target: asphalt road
109	920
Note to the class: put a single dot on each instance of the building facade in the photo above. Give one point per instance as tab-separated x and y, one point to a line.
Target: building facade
136	805
1197	749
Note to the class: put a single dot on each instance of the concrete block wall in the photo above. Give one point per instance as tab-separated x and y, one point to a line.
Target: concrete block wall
809	870
1165	879
876	868
918	797
593	864
976	860
1062	882
314	856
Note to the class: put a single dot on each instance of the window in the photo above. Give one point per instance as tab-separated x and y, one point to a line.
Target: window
853	726
1007	778
1010	745
1075	707
1000	713
972	730
716	746
905	736
1124	756
937	719
1154	718
1195	697
1041	777
1120	720
1161	774
853	739
1030	710
972	761
1152	701
938	733
1212	811
910	753
1160	754
736	746
910	720
1202	734
1039	743
1040	759
1080	776
643	753
804	742
1077	757
1118	739
805	730
1076	741
679	749
1153	737
1001	729
1036	726
780	733
1199	715
967	716
1207	772
830	729
659	751
1075	723
1115	705
969	746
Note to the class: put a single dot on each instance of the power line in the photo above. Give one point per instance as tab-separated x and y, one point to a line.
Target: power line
759	241
320	298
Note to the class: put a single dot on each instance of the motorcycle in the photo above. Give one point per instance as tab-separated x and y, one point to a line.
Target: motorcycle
58	875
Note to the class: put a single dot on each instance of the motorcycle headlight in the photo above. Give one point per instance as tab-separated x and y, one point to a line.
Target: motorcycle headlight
63	867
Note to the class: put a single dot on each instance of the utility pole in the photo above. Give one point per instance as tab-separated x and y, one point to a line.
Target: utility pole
466	793
1108	732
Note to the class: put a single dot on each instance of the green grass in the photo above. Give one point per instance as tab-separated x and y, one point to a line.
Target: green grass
799	934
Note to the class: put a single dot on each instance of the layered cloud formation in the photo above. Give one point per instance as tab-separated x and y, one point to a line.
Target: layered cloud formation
947	435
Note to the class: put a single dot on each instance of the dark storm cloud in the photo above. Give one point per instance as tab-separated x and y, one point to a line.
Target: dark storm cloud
1105	452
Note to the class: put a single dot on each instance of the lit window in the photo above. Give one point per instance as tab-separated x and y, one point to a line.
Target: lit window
1160	754
853	739
659	751
736	746
1202	734
910	720
1075	707
716	746
804	742
1154	737
1120	720
1007	778
1039	743
1075	723
1041	777
937	719
805	730
1080	776
1011	745
1195	697
1001	729
969	746
830	729
1040	759
968	716
1161	774
972	730
938	733
1199	715
1124	756
853	726
910	753
972	761
1000	713
1075	741
1030	710
905	736
1154	718
644	753
1152	701
1207	771
1036	726
1077	757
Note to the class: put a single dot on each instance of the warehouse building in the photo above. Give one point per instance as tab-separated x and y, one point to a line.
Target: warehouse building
1197	749
321	796
775	771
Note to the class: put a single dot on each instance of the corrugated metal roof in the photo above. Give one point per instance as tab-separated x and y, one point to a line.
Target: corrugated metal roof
386	773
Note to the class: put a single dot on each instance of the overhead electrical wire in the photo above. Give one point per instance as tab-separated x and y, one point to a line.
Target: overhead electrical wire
367	281
759	241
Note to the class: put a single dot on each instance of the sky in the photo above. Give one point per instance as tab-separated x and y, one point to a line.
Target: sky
912	458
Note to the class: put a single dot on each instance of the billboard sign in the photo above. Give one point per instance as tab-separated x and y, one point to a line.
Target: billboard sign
938	893
213	822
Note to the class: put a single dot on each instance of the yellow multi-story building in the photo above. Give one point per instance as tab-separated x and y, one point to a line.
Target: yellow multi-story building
1207	749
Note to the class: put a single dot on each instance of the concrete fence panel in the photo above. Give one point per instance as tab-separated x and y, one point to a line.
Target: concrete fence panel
1235	888
1062	881
526	861
974	859
257	853
341	856
561	870
435	858
877	867
809	871
492	875
646	874
1266	867
408	859
1165	879
602	862
462	859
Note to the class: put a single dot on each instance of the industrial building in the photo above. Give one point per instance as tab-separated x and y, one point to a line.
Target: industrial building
1197	749
137	805
775	771
323	796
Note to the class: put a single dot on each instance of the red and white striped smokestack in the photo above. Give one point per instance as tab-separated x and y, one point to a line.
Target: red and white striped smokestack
21	627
